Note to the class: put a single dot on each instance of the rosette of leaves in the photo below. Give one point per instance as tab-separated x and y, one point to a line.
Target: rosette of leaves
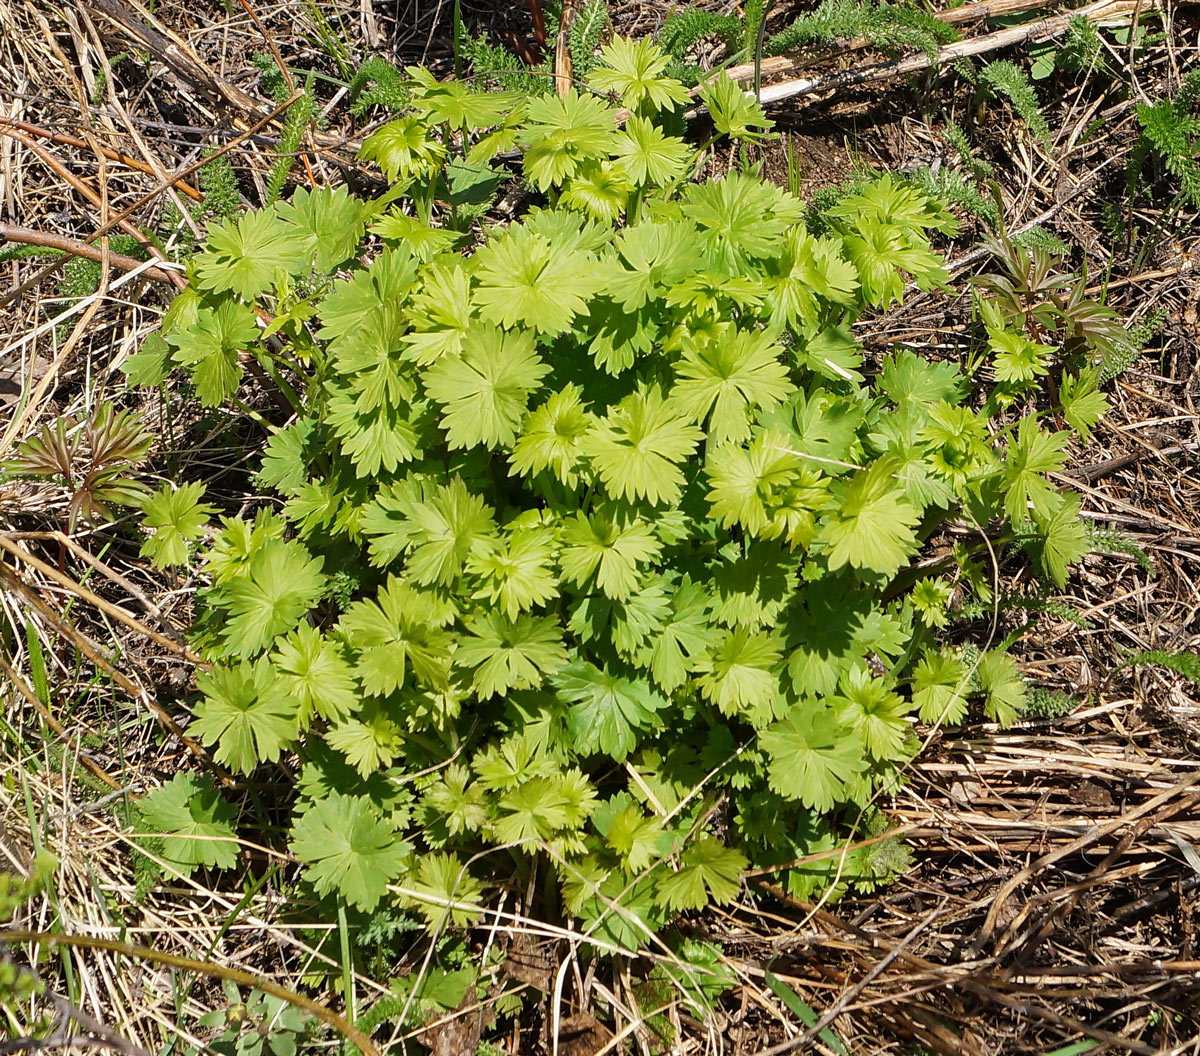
623	517
93	460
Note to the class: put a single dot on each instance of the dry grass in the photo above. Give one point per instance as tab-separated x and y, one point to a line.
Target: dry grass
1052	892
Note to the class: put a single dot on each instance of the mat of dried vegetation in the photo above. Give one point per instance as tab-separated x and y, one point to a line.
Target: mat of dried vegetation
1050	903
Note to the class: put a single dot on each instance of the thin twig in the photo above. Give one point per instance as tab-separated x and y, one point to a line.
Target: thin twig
30	237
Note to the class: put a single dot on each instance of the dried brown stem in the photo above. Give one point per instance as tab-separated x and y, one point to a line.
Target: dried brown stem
28	236
112	155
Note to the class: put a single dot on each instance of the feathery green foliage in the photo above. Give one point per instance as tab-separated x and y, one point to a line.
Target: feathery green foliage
584	36
1038	237
378	83
1041	603
686	27
1130	349
291	134
956	188
219	185
1180	661
1171	133
80	276
489	62
271	80
1007	79
1111	541
892	28
1081	46
616	514
1048	704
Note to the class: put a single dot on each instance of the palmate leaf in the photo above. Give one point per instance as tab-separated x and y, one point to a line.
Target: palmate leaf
456	801
1032	454
633	71
447	528
531	811
708	870
238	541
346	848
243	255
177	517
210	347
353	306
607	711
283	581
877	714
939	683
438	527
813	755
807	276
370	740
637	447
401	628
619	339
931	600
713	292
440	313
912	382
326	223
444	892
610	907
510	654
561	133
683	639
1004	690
833	353
598	546
518	572
454	103
1083	405
656	256
381	438
752	583
599	189
745	484
729	374
741	217
524	279
485	389
194	822
403	148
399	229
890	200
147	368
873	527
630	624
1062	539
550	438
318	676
245	712
634	836
741	677
1018	359
648	155
733	112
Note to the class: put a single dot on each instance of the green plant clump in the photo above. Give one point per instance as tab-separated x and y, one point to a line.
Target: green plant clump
588	552
1171	133
894	28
